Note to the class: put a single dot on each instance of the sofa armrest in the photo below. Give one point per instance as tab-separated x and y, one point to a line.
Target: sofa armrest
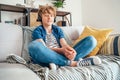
11	40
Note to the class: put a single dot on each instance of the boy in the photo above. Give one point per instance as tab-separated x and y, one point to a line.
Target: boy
49	46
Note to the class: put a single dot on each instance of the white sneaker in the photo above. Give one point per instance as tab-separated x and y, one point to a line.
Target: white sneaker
52	66
93	60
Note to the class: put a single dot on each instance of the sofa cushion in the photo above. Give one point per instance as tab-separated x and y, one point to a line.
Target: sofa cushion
27	38
72	33
100	35
10	40
16	72
111	45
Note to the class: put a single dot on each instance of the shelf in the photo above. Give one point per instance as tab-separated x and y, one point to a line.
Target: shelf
11	8
62	13
27	10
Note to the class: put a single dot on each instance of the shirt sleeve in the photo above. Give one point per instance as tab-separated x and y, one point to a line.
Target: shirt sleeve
37	34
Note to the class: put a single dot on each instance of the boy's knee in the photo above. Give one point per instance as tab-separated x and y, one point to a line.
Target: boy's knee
92	40
34	44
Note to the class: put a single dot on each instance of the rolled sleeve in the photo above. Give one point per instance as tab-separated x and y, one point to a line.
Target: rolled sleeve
37	34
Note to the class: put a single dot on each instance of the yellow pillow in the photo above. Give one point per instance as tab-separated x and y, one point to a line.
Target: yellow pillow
100	34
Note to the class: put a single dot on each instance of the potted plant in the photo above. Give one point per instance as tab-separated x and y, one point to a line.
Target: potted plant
58	3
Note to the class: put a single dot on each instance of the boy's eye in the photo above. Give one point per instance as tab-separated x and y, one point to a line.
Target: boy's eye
49	15
46	15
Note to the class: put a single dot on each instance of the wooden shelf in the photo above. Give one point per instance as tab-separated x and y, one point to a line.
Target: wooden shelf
12	8
27	10
62	13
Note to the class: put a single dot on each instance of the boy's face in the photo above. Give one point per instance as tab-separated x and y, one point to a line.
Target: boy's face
47	19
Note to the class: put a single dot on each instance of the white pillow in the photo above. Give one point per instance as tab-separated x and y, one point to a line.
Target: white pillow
73	31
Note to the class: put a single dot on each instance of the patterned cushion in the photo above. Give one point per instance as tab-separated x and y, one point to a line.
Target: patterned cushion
111	45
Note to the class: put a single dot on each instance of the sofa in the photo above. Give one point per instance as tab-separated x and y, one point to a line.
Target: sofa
18	66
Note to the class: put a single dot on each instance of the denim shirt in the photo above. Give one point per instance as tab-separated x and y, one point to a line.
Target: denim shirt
40	33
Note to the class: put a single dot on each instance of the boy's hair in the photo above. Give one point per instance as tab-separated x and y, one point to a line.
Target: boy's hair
46	9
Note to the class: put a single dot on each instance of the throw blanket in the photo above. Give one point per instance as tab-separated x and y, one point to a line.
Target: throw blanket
42	72
108	70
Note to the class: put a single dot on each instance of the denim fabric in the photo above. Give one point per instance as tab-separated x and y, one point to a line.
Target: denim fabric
42	55
84	47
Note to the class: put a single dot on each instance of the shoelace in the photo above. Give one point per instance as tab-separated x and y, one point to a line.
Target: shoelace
85	63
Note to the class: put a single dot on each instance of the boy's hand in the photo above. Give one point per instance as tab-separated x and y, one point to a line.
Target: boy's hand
69	52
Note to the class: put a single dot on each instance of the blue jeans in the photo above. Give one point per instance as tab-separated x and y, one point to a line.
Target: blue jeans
42	55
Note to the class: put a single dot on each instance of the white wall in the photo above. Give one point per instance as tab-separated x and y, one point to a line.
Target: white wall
74	6
101	13
11	2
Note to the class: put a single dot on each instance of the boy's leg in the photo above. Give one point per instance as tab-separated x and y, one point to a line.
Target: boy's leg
42	54
84	47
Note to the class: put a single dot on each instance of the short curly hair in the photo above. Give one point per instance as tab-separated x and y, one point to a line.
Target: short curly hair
46	9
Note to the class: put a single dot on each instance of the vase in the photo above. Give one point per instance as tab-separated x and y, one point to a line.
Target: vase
60	9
